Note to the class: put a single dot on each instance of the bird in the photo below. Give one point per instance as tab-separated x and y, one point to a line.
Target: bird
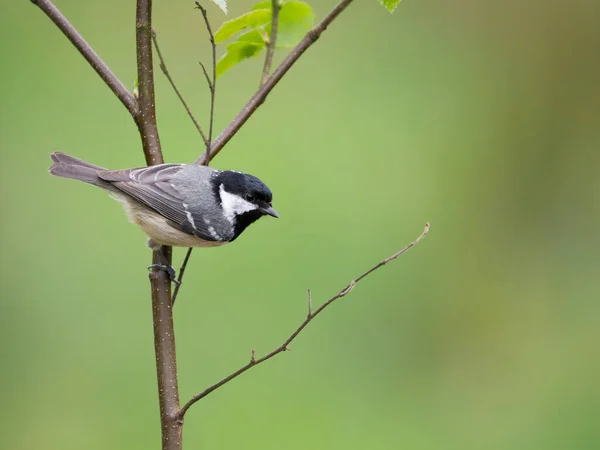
180	205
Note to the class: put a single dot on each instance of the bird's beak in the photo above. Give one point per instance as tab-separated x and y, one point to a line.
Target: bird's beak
269	211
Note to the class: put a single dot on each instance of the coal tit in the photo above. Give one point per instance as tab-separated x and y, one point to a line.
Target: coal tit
182	205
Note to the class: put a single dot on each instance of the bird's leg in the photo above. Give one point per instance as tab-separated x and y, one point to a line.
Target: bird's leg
166	268
164	265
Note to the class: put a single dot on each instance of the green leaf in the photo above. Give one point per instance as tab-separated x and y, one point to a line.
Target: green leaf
248	45
221	4
295	19
256	36
262	5
252	19
390	4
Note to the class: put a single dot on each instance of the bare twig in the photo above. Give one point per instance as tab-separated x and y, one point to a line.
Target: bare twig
181	272
259	97
89	54
283	347
212	85
164	69
207	141
309	303
206	75
275	7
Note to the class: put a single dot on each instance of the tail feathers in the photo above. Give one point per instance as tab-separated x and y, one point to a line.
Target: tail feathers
67	166
63	158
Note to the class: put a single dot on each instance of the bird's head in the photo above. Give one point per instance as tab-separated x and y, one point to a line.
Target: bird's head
244	198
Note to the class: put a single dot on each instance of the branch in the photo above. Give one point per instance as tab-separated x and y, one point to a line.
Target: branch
275	7
164	69
146	120
310	316
259	97
89	54
212	85
162	312
181	272
143	112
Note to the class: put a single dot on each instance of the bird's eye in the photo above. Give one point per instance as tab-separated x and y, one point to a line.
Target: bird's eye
249	197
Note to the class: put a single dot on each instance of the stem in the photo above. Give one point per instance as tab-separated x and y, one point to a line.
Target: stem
275	7
165	71
146	120
212	85
259	97
162	312
181	272
166	359
89	54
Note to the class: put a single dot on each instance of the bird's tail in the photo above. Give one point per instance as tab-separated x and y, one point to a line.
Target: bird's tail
66	166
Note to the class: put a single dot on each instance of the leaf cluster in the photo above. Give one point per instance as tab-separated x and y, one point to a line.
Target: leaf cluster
253	30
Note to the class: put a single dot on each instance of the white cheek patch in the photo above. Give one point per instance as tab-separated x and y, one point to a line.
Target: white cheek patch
234	205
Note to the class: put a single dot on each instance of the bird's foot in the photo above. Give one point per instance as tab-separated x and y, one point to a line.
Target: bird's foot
168	269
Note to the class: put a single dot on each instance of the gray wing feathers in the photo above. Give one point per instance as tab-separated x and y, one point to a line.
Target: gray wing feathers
142	175
153	186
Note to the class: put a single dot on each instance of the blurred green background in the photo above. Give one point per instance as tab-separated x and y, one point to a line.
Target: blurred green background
482	117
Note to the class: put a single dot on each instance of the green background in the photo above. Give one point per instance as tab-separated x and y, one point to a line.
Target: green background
482	117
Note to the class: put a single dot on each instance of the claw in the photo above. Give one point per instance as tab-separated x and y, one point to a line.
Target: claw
168	269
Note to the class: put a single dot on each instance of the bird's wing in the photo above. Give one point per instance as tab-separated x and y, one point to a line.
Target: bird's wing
152	187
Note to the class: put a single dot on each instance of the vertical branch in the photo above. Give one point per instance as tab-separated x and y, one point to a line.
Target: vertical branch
275	6
146	120
143	112
162	312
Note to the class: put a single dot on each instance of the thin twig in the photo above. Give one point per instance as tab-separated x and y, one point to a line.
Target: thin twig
90	55
212	85
275	7
163	67
283	347
207	141
181	272
206	75
259	97
309	303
